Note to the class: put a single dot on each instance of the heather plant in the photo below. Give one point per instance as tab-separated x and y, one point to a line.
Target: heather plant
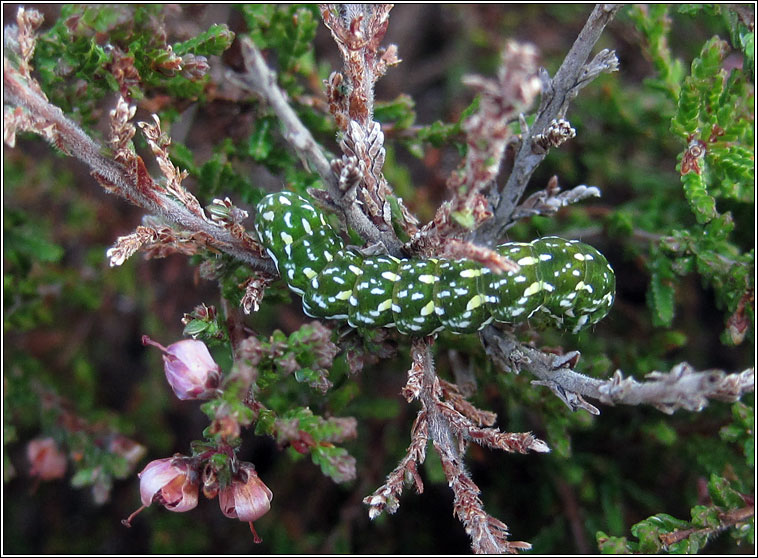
164	327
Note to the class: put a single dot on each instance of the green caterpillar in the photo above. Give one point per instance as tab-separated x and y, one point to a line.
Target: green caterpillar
561	283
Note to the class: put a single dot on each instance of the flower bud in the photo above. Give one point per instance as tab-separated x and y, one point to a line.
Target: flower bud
171	482
47	461
190	369
248	498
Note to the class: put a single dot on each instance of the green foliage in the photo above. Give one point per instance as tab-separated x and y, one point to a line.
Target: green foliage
741	432
729	509
214	41
78	68
654	23
288	31
714	119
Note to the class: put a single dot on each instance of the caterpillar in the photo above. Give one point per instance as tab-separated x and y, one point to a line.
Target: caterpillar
560	283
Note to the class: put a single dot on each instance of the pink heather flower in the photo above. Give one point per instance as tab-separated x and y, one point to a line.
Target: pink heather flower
247	499
190	369
171	482
47	461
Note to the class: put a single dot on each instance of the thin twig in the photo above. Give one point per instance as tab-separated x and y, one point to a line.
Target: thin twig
450	422
557	94
680	388
33	112
261	80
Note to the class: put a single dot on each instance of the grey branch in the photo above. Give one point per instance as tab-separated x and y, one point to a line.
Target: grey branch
557	93
261	80
680	388
33	112
550	200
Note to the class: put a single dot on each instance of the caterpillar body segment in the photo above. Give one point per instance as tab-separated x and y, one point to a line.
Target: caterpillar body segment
560	283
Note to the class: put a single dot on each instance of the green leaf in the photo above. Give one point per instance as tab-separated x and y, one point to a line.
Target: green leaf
214	41
613	545
400	111
261	141
723	494
701	202
335	462
661	292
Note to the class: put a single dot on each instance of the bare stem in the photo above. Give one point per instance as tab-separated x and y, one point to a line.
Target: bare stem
33	112
261	80
680	388
556	96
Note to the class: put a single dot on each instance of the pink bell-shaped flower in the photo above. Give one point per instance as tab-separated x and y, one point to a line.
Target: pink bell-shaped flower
247	498
170	482
190	369
46	460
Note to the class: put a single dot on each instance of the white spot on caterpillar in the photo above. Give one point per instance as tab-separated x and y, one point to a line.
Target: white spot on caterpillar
385	305
268	216
389	276
428	309
468	273
355	270
579	256
485	323
307	226
377	291
309	273
338	280
475	302
428	279
273	257
286	238
527	260
417	296
328	256
284	201
545	257
534	288
580	323
519	278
